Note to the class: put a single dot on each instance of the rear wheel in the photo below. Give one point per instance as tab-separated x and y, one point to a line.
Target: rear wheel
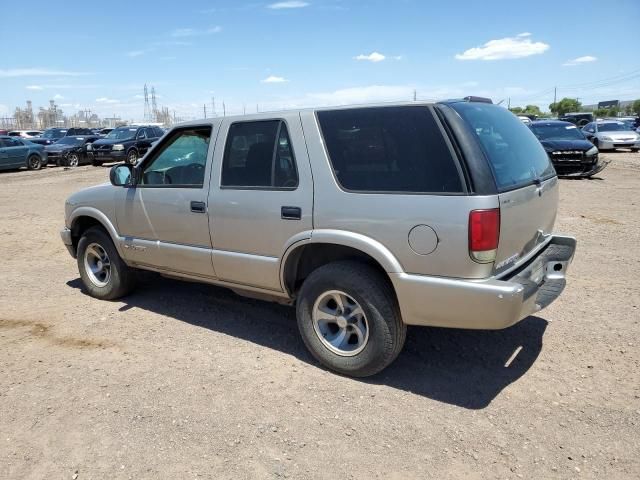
349	319
34	162
103	273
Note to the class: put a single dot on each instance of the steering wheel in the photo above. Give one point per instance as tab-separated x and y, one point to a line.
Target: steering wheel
290	183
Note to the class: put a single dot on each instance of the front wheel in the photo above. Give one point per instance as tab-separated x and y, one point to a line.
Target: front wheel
349	318
132	157
103	273
73	160
34	162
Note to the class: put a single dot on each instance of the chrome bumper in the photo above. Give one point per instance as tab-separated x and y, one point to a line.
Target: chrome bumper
65	234
490	304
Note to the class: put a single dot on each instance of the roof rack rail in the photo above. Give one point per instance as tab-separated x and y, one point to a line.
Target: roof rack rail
472	98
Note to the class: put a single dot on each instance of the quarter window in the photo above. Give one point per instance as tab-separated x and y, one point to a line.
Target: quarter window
259	155
181	161
389	149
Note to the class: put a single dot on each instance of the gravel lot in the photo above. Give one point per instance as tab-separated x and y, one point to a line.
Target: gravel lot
182	380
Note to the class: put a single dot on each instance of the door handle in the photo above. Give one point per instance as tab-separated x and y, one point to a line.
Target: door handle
198	207
291	213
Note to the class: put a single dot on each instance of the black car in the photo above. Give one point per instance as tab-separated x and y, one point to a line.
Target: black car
570	152
50	135
70	151
124	143
577	118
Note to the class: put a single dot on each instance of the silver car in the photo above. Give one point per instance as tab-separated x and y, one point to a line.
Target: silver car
366	219
612	134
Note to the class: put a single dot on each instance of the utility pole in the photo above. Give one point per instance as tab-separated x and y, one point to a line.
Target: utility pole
244	109
555	94
204	109
224	110
509	104
257	108
213	106
415	95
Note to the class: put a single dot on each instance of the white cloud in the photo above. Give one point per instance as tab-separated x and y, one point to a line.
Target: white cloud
193	32
135	53
579	61
372	57
106	100
57	96
289	4
505	48
274	79
34	87
38	72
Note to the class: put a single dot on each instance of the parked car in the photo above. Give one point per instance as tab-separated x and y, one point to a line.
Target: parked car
16	152
3	132
577	118
373	219
49	136
123	144
105	131
612	134
70	151
524	119
25	133
571	154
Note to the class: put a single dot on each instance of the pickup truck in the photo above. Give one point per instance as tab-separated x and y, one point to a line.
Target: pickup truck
366	219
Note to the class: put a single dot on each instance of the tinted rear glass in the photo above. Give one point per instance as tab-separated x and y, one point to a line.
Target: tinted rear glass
389	149
515	154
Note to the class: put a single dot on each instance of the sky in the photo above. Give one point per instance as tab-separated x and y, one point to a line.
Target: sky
275	54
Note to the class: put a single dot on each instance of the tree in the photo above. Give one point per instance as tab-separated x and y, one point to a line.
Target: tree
516	110
532	110
636	107
565	105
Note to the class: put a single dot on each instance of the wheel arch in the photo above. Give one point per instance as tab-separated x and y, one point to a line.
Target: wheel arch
84	218
325	246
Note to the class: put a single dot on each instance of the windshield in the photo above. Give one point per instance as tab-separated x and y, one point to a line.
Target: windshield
557	132
70	141
54	133
613	127
122	133
515	154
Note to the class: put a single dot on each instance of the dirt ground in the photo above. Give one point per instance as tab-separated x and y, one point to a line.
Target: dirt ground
182	380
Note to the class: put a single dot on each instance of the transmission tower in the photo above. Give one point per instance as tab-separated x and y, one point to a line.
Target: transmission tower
147	112
154	105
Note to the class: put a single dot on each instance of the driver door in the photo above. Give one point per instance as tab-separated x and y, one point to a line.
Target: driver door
164	217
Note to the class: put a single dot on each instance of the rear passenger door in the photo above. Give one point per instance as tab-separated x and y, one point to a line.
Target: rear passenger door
16	152
261	196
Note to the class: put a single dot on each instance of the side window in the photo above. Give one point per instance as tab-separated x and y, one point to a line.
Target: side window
141	135
180	161
150	132
12	142
389	149
259	154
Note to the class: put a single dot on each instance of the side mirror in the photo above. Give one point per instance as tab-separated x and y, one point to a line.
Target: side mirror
121	175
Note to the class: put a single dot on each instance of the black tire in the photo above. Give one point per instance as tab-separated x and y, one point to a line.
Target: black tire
132	157
121	279
635	150
375	295
34	162
73	160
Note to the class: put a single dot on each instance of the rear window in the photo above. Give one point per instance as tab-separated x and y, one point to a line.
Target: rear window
515	154
389	149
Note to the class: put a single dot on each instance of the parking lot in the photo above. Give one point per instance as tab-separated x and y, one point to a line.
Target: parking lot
182	380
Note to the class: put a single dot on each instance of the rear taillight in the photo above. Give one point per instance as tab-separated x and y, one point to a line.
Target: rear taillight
484	233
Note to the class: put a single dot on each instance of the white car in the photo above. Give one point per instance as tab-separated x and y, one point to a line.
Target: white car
526	120
25	133
611	134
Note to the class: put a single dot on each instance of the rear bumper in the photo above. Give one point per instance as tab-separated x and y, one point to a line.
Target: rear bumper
491	304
